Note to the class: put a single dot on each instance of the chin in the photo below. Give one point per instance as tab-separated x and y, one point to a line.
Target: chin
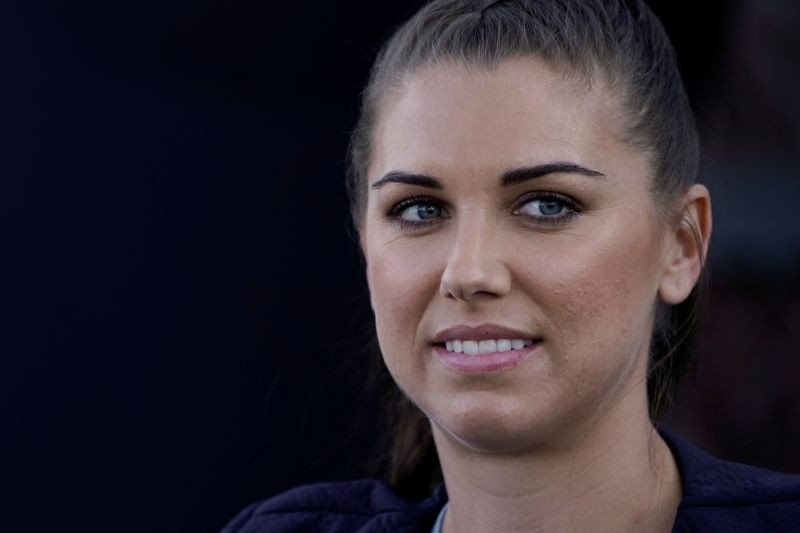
495	425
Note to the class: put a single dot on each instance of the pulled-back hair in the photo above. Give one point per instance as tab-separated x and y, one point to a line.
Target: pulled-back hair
619	43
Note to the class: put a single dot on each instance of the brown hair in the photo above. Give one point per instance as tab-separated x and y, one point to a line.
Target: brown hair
620	41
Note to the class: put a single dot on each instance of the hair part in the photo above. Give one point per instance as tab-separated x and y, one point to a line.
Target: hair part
619	43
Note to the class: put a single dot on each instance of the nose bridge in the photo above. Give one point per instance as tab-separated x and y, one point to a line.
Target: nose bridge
474	262
473	236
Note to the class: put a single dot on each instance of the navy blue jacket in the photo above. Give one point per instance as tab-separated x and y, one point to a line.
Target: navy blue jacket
718	496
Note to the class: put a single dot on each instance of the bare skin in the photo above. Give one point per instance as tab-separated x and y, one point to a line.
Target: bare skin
575	259
610	482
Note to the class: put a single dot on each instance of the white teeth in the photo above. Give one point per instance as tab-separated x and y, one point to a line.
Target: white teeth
489	346
503	345
486	346
470	347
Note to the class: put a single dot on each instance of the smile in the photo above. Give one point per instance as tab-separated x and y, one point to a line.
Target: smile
482	347
485	355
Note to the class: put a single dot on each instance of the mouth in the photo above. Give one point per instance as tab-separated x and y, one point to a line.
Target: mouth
486	355
485	346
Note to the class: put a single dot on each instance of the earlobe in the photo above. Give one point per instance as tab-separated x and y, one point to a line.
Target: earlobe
687	246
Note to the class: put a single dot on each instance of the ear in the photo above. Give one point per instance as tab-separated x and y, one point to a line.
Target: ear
686	246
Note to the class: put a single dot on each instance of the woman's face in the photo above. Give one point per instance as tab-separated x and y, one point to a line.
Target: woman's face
502	203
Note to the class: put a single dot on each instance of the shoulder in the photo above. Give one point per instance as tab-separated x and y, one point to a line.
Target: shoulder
726	496
364	505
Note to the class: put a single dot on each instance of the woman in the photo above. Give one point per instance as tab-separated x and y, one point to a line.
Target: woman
523	185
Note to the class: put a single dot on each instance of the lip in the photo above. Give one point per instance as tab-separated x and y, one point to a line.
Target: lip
490	362
481	332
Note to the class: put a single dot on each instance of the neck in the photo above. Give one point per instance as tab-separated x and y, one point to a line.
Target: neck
610	480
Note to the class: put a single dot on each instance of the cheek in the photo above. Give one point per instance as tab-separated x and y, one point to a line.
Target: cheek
403	280
596	294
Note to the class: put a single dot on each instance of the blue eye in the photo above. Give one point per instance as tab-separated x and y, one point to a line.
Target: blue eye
417	212
549	208
421	211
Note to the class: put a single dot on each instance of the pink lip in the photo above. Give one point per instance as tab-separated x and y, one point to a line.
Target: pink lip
489	362
481	332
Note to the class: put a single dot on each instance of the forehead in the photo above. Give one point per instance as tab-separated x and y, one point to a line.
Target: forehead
522	112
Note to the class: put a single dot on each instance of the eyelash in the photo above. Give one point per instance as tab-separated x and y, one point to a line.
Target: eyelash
572	206
410	225
405	203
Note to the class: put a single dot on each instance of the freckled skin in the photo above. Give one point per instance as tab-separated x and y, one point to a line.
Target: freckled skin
587	287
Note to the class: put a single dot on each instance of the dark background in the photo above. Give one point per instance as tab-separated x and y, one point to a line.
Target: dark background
183	314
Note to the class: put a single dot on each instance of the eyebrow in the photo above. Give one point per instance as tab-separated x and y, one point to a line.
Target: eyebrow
511	177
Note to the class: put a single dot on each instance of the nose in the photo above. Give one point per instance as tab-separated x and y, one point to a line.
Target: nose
475	268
